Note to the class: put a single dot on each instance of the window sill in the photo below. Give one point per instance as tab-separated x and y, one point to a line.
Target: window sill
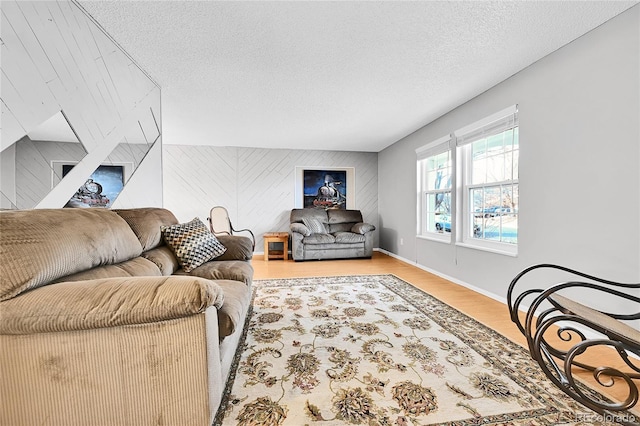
440	238
496	250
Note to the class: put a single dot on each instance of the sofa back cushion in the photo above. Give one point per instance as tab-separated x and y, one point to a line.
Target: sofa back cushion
163	258
146	223
343	220
297	215
39	246
333	220
136	267
344	216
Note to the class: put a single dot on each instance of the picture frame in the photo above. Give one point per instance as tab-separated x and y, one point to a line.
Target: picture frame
100	189
325	187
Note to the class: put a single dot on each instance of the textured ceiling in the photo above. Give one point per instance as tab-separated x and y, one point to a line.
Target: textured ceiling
354	76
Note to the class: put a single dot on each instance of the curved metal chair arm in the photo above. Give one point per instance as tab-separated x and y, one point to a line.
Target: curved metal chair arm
253	238
514	302
551	313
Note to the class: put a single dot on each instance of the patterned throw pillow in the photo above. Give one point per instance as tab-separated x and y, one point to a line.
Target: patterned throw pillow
314	225
192	243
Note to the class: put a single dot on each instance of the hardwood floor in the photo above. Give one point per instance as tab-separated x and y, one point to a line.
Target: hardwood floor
488	311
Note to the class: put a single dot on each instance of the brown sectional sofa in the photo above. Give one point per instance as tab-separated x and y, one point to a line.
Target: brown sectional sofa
99	325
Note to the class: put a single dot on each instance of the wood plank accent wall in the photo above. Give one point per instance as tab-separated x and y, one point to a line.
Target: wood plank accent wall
256	185
56	58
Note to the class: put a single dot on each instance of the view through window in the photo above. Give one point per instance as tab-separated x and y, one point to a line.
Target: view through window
492	186
469	190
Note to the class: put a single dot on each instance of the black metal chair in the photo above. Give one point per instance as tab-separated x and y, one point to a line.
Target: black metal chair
550	312
220	224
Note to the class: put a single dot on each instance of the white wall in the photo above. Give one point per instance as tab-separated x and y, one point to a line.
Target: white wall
55	58
257	186
579	111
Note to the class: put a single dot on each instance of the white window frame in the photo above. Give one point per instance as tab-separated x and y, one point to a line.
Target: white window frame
494	124
437	147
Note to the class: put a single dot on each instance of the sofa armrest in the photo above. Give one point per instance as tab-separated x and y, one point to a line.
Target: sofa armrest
238	247
300	228
109	302
362	228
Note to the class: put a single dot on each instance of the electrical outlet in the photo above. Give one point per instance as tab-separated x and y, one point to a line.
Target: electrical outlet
401	241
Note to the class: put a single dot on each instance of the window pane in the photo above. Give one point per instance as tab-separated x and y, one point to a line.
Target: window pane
438	202
495	168
440	179
494	214
442	223
477	201
442	160
495	158
478	171
438	209
492	199
509	228
438	172
431	179
495	143
508	166
443	202
478	149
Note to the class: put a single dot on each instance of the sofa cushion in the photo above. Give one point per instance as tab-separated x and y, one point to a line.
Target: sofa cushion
163	258
146	223
237	297
192	243
238	247
300	229
138	266
39	246
314	225
223	270
362	228
319	239
112	302
340	227
344	216
297	215
349	237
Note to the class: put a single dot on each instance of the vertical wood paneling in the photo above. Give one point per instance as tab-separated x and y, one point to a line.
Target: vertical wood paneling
54	57
256	185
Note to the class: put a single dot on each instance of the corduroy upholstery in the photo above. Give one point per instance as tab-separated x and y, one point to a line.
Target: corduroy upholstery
99	325
111	302
39	246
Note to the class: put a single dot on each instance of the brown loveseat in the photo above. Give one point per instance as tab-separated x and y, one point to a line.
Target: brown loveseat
99	324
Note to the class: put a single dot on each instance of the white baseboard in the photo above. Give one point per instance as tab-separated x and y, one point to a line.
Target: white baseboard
493	296
587	332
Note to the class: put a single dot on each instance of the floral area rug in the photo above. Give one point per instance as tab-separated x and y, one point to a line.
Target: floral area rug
374	350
